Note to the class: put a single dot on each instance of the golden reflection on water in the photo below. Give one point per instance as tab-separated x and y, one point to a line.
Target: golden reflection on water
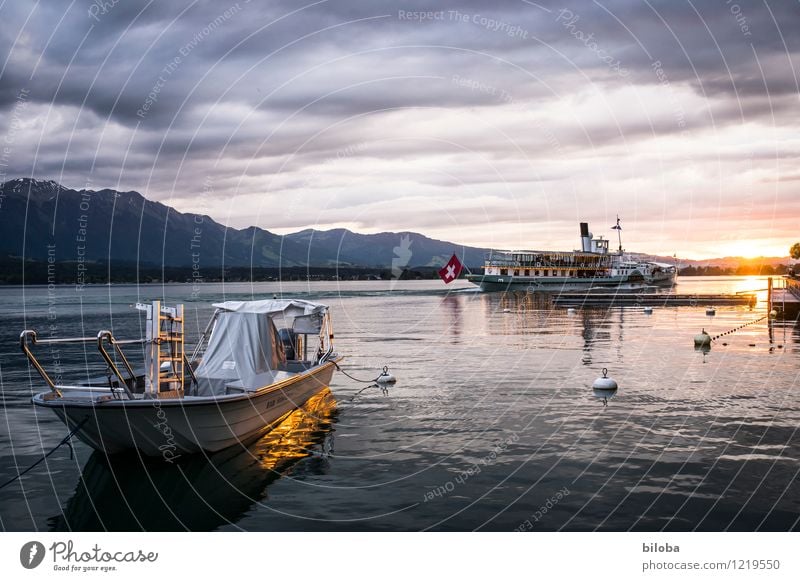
293	437
755	283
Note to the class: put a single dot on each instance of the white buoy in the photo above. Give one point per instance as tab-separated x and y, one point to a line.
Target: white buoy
648	310
386	377
711	311
702	340
604	383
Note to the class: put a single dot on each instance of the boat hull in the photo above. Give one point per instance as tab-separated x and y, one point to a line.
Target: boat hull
492	283
173	427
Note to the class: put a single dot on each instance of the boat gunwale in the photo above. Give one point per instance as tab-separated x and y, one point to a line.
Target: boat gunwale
63	402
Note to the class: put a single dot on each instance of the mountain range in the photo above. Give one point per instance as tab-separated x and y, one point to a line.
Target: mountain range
41	220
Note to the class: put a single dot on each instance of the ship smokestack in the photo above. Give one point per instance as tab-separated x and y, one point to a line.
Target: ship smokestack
586	238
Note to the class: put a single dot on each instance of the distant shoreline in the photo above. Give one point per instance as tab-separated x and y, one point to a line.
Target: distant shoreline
74	273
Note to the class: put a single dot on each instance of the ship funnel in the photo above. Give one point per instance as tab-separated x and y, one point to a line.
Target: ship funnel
586	238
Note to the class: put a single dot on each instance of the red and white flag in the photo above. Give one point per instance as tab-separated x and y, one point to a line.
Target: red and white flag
451	270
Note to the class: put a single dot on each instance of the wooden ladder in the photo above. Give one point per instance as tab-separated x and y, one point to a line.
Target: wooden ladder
164	357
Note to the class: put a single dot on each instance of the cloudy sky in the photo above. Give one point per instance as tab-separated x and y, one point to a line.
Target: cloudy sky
498	124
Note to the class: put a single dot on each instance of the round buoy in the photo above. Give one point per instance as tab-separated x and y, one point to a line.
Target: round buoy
711	311
386	377
648	310
702	340
604	383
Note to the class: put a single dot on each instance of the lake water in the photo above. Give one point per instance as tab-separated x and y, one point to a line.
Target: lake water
492	424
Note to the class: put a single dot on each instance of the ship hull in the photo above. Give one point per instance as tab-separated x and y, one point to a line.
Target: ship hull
493	283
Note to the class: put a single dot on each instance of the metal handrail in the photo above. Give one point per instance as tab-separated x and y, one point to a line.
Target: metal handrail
188	367
23	342
28	338
206	331
123	383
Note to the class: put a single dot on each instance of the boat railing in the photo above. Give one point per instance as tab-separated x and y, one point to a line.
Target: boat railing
126	384
203	340
28	339
326	331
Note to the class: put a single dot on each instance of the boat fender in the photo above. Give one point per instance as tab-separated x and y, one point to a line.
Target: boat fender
605	383
711	311
773	314
703	339
386	377
648	310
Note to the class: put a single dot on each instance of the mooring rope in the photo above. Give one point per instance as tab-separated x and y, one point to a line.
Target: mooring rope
43	458
355	378
372	382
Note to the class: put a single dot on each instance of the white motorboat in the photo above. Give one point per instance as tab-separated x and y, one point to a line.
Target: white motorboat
250	369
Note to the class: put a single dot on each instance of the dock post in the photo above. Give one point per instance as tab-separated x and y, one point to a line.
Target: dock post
769	294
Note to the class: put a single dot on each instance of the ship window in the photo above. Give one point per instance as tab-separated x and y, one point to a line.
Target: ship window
516	273
545	272
537	273
527	272
503	271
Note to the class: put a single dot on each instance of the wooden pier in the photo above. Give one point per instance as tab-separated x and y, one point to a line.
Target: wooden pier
785	298
628	299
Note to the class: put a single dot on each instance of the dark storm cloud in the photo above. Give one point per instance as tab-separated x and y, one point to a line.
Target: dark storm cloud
115	58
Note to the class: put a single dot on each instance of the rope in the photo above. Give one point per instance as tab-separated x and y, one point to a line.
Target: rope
383	389
355	378
740	327
43	458
372	382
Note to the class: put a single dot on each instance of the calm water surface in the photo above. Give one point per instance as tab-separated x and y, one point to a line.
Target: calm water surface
492	425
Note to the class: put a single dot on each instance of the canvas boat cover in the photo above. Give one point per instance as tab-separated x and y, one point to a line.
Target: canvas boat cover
245	343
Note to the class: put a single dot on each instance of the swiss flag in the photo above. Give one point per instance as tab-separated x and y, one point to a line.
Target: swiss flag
451	270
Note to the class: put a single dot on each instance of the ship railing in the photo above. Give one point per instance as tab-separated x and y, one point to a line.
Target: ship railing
28	339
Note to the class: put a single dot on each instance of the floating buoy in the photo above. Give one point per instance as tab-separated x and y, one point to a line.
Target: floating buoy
648	310
604	383
724	344
752	345
386	377
711	311
702	340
